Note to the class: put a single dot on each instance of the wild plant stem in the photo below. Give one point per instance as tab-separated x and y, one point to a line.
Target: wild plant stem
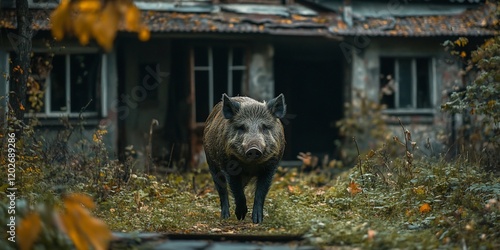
407	150
359	161
149	154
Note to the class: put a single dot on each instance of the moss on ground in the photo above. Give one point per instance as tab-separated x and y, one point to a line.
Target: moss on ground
462	208
394	197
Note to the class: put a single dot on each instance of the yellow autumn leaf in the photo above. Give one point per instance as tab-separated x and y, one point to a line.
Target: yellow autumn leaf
491	103
420	190
88	5
104	31
78	198
59	18
80	226
95	19
425	208
71	229
353	188
144	34
82	28
28	230
461	42
132	18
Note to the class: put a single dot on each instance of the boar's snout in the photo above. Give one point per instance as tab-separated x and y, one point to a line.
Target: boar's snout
253	153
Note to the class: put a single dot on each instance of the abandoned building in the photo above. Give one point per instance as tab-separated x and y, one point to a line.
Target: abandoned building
318	53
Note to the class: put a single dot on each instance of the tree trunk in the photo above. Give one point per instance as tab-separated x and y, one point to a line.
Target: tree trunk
21	43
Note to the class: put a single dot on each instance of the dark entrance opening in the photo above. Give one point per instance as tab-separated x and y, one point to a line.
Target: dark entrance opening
311	75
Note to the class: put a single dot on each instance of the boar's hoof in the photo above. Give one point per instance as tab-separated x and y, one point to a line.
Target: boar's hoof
241	212
257	216
253	153
224	214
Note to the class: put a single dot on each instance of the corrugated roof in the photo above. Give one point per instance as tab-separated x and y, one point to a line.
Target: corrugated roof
478	21
472	22
384	8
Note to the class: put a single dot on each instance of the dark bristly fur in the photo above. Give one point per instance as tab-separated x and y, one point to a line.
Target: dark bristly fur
244	141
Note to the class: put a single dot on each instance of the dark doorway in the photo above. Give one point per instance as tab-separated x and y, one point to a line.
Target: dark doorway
311	76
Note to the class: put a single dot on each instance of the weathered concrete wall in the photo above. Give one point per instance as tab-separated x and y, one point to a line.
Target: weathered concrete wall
110	118
366	70
50	127
145	98
261	76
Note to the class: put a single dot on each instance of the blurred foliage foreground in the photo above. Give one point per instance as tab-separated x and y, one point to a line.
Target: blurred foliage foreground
401	199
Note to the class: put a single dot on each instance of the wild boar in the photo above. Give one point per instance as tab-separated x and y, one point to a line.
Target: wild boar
244	141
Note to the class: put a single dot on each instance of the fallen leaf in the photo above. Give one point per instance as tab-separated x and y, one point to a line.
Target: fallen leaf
28	230
82	228
353	188
371	154
425	208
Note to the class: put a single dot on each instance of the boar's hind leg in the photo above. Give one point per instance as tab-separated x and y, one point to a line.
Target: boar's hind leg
221	186
237	188
261	188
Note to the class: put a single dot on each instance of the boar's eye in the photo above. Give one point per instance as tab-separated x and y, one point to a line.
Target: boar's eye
240	128
266	127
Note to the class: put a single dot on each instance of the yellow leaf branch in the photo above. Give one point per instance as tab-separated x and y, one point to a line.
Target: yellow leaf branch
96	19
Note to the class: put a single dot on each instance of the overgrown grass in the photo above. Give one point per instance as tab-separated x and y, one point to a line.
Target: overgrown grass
394	197
463	210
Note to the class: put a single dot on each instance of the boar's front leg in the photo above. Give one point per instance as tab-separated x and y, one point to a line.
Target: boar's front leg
221	187
264	181
236	184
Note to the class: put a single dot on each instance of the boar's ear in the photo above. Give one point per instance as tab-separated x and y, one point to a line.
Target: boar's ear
277	106
229	108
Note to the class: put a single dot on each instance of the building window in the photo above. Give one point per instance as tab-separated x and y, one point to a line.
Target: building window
217	70
70	84
406	83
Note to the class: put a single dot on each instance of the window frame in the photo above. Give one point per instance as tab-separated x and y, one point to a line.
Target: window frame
414	110
210	69
230	69
101	87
